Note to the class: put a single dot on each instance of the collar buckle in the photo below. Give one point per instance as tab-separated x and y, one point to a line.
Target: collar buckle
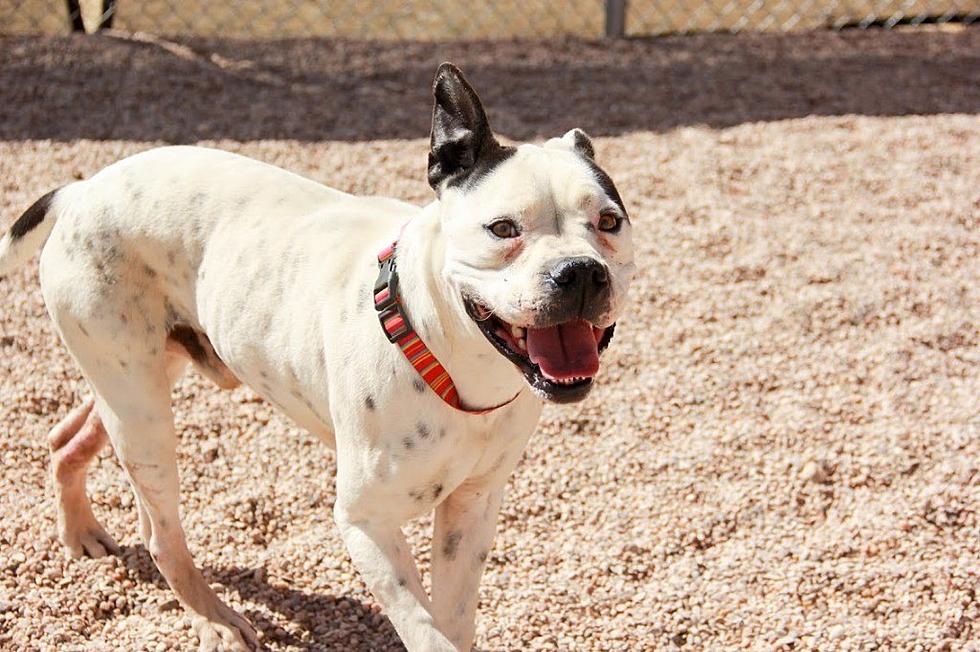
393	320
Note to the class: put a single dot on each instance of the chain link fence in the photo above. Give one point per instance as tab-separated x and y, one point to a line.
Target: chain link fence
466	20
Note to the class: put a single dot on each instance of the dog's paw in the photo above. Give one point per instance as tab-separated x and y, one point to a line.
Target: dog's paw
228	632
88	541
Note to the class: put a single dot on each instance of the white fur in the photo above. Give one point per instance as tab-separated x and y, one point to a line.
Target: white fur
277	271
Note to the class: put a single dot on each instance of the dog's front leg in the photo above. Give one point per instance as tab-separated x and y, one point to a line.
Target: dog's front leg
464	528
384	560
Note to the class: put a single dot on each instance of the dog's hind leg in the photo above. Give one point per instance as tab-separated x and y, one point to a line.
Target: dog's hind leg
135	408
131	375
74	442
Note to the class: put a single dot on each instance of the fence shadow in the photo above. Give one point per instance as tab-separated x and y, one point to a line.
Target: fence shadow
142	88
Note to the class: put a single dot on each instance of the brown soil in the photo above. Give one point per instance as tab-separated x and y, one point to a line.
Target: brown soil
784	450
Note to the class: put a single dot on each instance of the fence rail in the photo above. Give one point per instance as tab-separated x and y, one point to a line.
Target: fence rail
466	20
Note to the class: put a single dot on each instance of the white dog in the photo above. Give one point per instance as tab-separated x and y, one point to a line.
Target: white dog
506	289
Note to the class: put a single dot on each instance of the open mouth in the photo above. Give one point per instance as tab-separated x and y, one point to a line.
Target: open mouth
559	361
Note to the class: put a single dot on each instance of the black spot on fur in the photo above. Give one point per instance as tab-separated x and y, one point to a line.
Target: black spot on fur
171	256
442	433
423	430
418	385
402	581
436	490
266	323
606	184
187	338
32	216
417	495
309	406
451	545
197	345
82	328
482	557
498	463
369	402
408	443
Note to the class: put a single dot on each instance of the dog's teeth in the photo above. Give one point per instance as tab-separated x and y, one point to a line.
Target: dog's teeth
522	344
571	381
517	332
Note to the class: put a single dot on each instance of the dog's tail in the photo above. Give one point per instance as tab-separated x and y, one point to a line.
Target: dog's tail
28	233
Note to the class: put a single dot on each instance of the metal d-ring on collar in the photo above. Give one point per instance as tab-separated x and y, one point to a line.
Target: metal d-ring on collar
399	331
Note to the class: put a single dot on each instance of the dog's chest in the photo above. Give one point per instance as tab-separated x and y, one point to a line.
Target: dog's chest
421	456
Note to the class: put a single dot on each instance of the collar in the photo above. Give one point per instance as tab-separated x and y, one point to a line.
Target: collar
399	331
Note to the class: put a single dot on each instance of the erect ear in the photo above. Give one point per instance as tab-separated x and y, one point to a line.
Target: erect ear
575	140
580	142
461	141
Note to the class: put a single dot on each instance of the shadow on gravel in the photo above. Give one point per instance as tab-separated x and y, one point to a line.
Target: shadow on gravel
142	88
317	614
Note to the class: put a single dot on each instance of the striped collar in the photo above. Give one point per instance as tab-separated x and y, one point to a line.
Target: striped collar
399	331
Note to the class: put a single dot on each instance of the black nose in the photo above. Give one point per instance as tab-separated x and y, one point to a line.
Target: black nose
580	276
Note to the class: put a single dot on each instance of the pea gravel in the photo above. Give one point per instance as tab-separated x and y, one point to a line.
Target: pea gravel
784	448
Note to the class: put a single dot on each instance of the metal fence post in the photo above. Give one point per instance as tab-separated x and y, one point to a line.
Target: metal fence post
75	16
615	18
108	13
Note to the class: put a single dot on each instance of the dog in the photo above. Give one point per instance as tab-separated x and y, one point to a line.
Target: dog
419	342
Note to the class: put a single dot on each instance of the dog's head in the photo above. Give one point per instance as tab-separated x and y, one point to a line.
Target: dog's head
537	241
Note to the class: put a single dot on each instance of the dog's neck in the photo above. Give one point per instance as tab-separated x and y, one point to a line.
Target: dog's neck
438	315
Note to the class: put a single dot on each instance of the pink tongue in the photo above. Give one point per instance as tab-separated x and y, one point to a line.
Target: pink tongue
566	350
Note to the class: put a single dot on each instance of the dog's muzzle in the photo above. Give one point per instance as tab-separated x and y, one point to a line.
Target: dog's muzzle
558	358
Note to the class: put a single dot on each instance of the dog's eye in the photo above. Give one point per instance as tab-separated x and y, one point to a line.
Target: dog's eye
609	222
504	229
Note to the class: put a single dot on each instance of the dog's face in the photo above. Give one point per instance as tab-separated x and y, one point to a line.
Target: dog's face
537	242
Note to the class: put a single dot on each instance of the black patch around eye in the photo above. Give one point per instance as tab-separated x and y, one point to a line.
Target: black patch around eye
605	183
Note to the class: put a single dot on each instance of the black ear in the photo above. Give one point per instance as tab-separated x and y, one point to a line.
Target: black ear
461	142
580	142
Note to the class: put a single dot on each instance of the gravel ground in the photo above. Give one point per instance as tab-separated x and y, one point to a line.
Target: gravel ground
784	448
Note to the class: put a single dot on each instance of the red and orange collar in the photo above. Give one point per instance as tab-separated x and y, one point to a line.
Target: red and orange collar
399	331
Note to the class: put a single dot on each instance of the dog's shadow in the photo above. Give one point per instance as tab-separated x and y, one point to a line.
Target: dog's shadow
318	616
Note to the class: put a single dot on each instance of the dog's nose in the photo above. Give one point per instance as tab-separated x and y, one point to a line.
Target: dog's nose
580	276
